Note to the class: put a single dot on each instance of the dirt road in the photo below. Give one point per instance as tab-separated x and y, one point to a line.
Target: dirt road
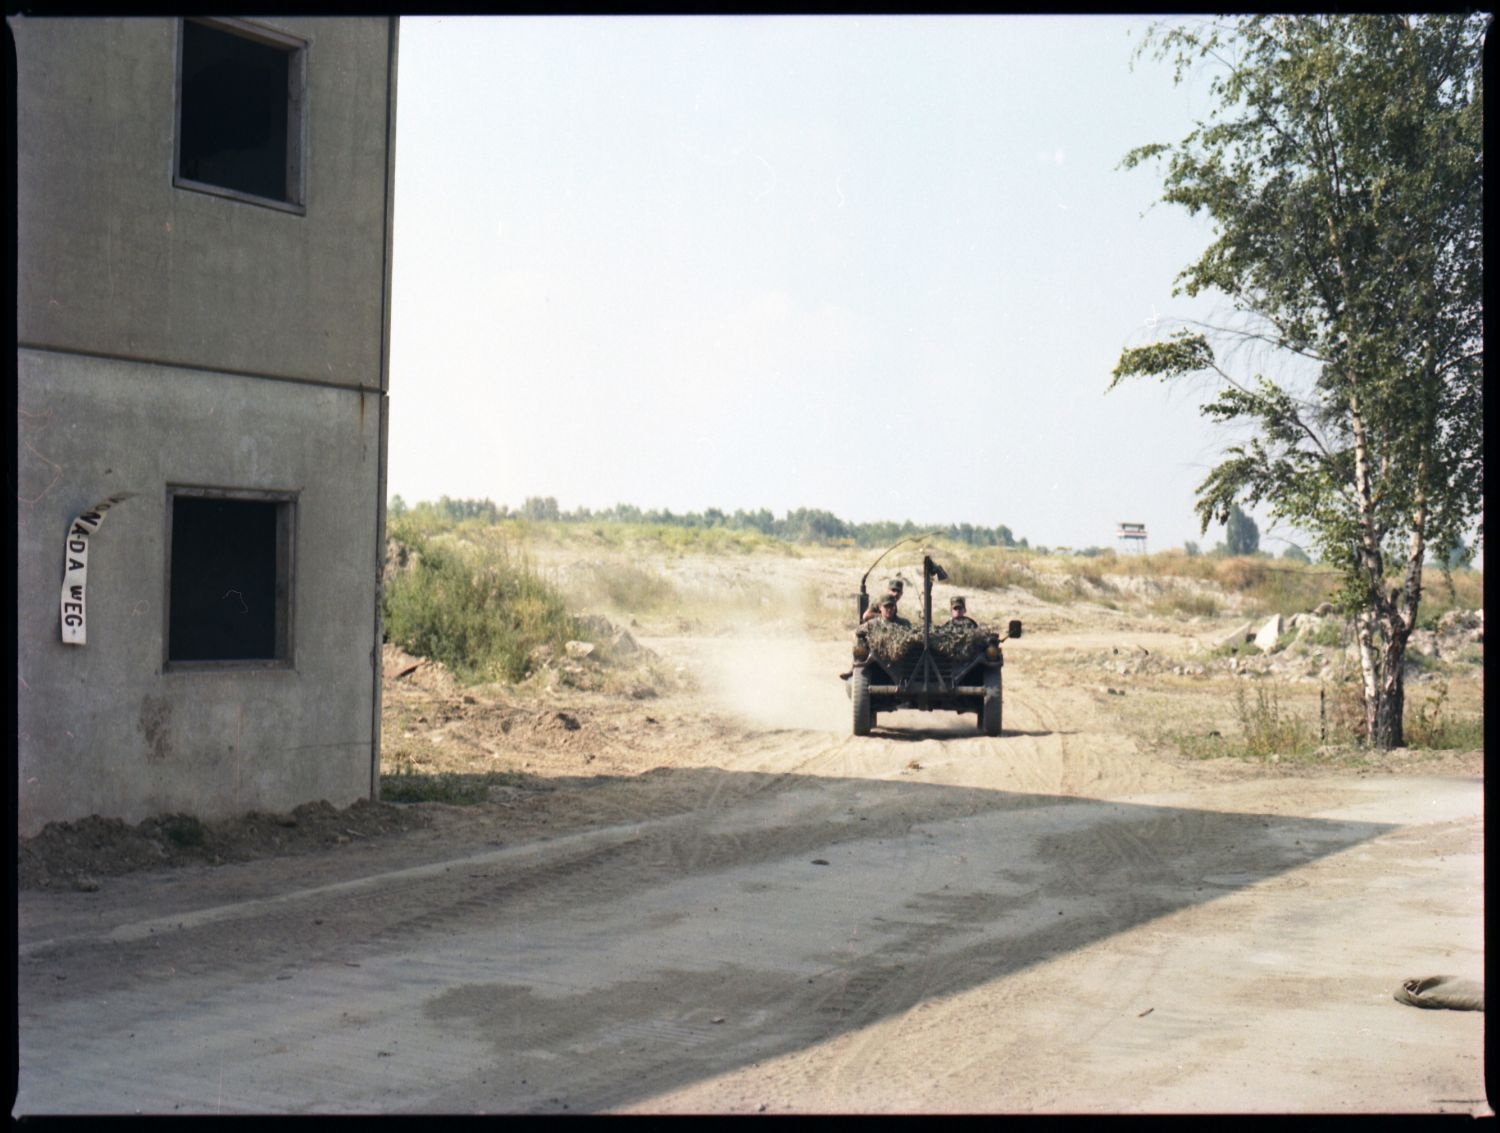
758	912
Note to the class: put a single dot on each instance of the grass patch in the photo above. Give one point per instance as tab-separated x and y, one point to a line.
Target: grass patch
1189	603
1237	649
1428	725
1461	590
1330	634
993	571
407	785
1266	729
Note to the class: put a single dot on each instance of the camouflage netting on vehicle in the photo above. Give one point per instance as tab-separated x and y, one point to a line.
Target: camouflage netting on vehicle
892	644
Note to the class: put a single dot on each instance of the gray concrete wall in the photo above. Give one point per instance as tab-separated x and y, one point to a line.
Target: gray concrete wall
172	337
102	728
119	262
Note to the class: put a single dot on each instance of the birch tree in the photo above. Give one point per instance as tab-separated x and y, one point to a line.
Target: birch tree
1341	166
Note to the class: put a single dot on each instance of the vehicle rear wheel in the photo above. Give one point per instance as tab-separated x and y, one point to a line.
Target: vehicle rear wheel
859	692
989	716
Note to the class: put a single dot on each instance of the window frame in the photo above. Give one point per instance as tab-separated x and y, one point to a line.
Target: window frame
286	540
296	142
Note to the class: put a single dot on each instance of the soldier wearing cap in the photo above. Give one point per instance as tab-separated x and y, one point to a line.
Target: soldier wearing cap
959	609
893	589
886	613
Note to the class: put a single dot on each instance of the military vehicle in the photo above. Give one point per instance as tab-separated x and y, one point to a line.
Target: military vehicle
930	668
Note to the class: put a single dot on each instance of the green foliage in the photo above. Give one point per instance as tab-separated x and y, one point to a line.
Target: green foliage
1241	535
1457	556
1341	165
802	525
1295	554
473	609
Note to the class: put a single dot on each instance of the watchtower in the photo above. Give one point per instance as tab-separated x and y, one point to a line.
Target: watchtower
1132	538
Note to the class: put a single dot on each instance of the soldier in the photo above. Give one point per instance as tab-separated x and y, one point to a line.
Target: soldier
958	608
887	613
893	589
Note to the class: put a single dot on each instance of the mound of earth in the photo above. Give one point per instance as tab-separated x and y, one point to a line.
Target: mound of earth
75	855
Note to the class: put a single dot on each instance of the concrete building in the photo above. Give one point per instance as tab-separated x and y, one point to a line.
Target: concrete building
203	289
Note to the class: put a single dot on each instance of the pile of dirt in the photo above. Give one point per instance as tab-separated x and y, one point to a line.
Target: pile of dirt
75	855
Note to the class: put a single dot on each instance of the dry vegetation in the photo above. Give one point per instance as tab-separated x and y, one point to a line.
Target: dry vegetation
520	663
1220	696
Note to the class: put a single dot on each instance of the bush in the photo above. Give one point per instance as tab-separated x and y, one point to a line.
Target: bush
476	611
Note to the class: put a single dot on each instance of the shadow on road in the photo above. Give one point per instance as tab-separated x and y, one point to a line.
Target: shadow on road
749	916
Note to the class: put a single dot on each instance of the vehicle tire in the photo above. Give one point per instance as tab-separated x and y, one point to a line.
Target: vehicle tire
859	692
989	716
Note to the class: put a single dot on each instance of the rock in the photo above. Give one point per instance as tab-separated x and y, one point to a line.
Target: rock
579	648
1269	634
1462	626
1456	621
1423	641
1237	636
623	645
596	624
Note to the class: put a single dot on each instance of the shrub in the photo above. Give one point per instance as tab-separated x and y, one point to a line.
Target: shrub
1268	729
477	612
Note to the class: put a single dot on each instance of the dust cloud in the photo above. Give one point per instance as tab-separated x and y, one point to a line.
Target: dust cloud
778	681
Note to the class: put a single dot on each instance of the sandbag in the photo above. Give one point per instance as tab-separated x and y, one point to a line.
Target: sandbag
1442	991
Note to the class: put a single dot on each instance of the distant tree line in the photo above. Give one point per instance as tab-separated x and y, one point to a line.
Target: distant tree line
804	525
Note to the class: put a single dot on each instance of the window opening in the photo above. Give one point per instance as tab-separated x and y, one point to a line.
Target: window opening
239	113
229	579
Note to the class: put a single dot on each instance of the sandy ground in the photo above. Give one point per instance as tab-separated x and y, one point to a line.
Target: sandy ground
695	891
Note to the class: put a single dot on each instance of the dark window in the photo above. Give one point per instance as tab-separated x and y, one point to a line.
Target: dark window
229	581
239	108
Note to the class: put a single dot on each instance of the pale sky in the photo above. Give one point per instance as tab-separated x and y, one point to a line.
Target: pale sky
881	266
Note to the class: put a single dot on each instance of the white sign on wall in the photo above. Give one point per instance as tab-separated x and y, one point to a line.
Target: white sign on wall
76	567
